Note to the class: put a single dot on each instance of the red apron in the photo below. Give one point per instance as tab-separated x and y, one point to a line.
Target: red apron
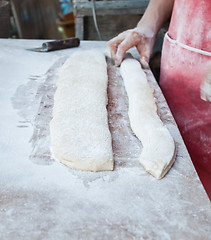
186	56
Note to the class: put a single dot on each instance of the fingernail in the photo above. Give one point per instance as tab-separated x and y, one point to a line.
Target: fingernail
117	62
144	59
144	63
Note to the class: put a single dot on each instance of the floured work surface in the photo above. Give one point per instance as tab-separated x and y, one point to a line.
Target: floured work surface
42	199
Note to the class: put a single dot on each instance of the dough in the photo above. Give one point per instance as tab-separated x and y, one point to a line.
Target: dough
159	147
80	136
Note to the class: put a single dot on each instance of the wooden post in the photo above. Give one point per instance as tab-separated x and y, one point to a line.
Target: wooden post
79	27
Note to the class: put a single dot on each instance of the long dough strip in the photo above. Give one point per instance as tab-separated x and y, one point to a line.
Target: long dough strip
80	137
159	148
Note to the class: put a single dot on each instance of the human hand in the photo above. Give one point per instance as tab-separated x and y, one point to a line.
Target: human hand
141	37
206	86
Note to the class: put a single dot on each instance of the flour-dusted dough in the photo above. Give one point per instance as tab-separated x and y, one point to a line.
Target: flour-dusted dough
159	147
79	130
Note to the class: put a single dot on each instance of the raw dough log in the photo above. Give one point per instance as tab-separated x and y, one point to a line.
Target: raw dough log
159	147
80	136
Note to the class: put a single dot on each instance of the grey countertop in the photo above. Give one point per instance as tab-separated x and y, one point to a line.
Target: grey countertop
42	199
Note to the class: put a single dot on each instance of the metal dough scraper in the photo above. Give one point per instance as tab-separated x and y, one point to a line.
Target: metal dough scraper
57	45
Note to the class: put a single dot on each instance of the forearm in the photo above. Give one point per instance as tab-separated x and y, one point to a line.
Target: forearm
157	12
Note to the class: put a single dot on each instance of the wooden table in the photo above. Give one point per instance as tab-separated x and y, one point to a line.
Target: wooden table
42	199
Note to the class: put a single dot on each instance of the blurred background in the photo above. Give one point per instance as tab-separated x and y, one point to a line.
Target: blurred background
33	19
85	19
56	19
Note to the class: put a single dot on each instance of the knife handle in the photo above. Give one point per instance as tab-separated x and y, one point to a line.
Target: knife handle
61	44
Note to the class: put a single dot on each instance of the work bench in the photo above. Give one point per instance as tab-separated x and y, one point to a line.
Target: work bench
42	199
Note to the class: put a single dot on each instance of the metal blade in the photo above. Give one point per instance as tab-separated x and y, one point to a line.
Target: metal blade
40	49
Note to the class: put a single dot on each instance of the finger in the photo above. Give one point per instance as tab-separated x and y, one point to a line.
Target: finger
144	63
203	95
205	91
114	43
206	97
208	92
209	98
208	78
125	45
206	86
112	46
144	57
